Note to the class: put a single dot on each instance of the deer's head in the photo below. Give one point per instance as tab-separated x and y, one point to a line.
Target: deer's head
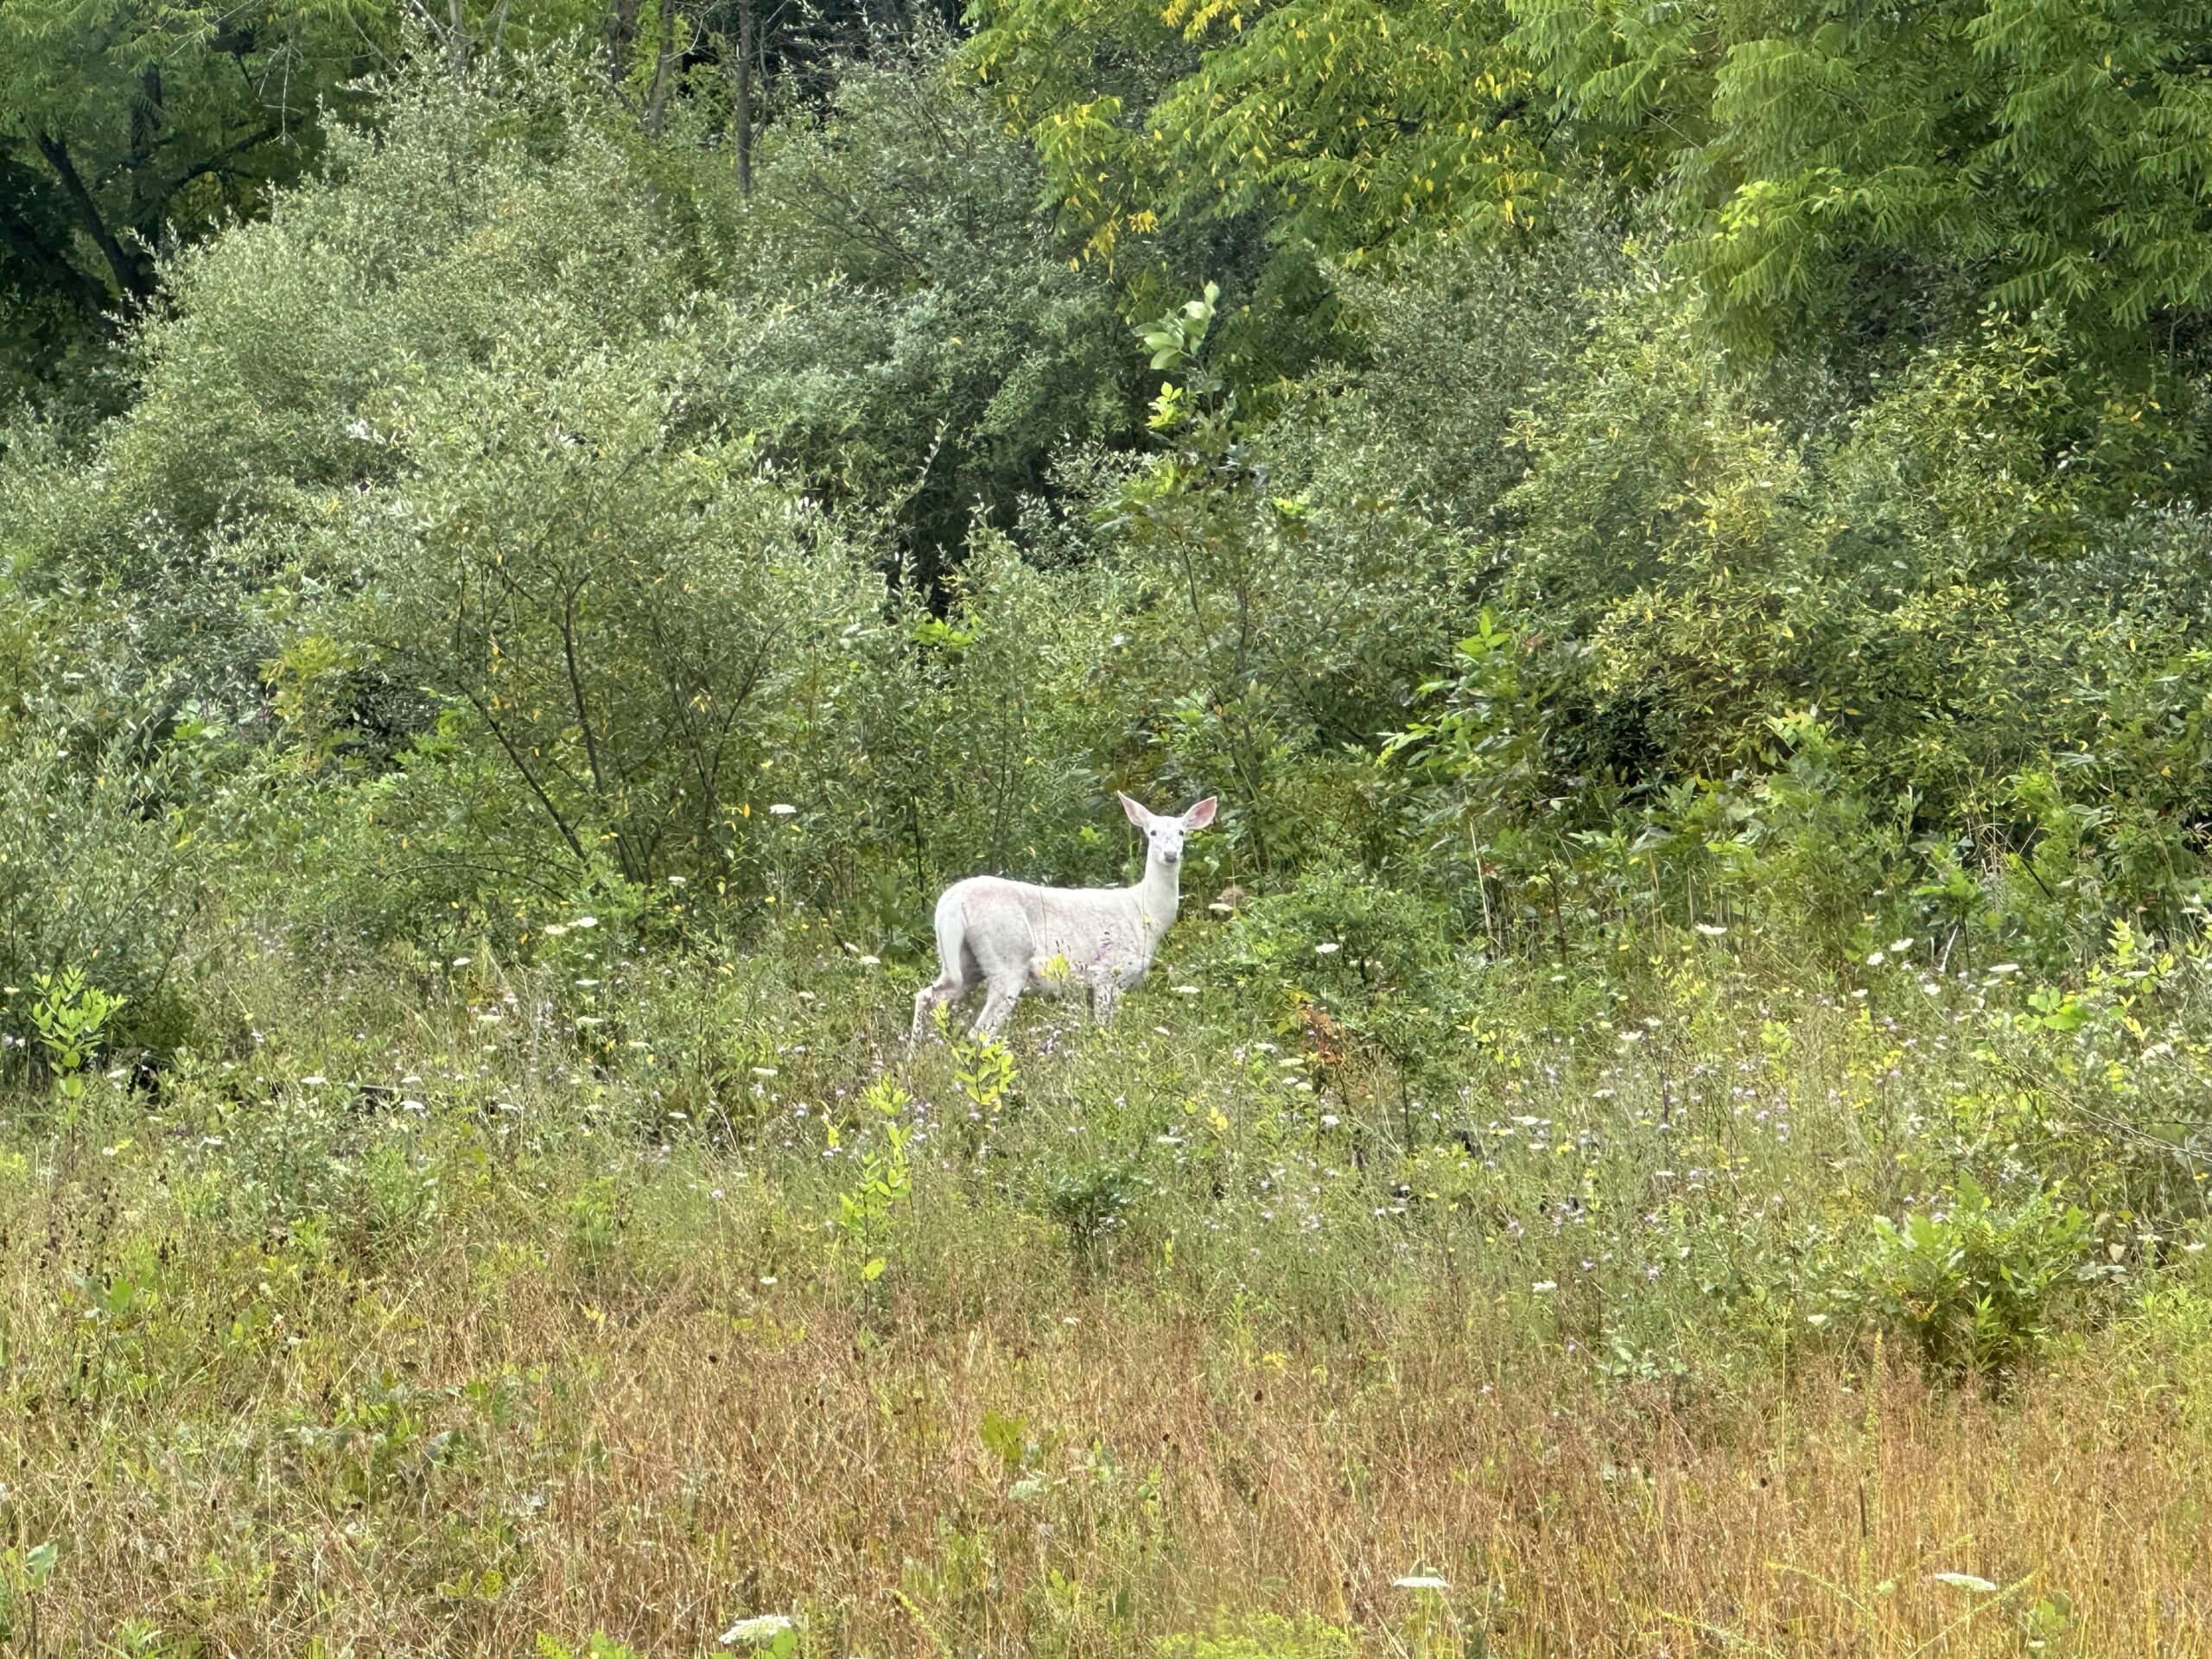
1163	835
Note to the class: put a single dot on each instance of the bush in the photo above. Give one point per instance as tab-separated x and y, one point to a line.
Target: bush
99	874
1977	1286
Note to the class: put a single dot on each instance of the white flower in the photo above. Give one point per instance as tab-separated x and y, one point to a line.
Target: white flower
1898	947
460	962
1420	1581
554	929
871	962
1981	1586
1711	930
1545	1287
317	1080
2004	967
1186	990
764	1071
1876	960
757	1631
783	809
585	921
1327	948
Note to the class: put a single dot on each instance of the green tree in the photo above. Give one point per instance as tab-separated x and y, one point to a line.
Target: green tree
123	123
1833	161
1354	126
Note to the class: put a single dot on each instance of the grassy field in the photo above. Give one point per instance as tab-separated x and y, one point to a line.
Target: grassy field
450	1310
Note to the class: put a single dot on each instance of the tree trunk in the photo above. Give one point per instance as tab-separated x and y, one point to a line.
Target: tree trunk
671	21
621	36
129	271
457	41
745	97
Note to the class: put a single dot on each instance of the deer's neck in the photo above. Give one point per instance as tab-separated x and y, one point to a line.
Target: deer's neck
1158	896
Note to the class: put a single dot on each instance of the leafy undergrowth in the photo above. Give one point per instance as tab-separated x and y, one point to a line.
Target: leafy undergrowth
676	1307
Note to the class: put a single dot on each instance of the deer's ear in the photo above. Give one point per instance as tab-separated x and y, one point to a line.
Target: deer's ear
1201	815
1138	814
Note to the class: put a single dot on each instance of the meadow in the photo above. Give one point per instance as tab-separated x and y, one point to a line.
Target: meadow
436	1316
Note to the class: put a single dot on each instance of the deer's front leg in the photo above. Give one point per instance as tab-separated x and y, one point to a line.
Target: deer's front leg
1103	994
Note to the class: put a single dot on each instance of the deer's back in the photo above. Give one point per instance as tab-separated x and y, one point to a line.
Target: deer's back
1009	925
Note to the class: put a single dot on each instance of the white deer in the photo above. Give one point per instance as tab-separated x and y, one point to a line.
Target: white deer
1012	937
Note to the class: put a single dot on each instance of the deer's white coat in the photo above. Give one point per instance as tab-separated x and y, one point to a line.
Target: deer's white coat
1011	936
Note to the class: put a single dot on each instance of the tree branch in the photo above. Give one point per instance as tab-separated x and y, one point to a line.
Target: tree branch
130	273
212	163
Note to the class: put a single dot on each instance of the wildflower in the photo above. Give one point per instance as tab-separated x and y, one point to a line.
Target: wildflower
1711	931
1420	1581
1186	990
757	1631
1981	1586
585	922
871	962
1327	948
460	962
784	810
1877	959
315	1081
1545	1287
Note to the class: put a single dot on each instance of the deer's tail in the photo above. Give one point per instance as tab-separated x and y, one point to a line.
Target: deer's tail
951	936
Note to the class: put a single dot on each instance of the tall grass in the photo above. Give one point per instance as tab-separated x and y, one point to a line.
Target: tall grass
436	1314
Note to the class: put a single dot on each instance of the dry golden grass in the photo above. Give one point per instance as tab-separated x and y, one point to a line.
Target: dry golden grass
656	1462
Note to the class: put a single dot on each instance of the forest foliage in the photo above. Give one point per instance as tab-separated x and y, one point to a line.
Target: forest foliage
513	458
1571	471
536	536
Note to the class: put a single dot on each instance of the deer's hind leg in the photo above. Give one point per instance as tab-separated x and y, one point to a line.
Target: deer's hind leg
998	1003
957	979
